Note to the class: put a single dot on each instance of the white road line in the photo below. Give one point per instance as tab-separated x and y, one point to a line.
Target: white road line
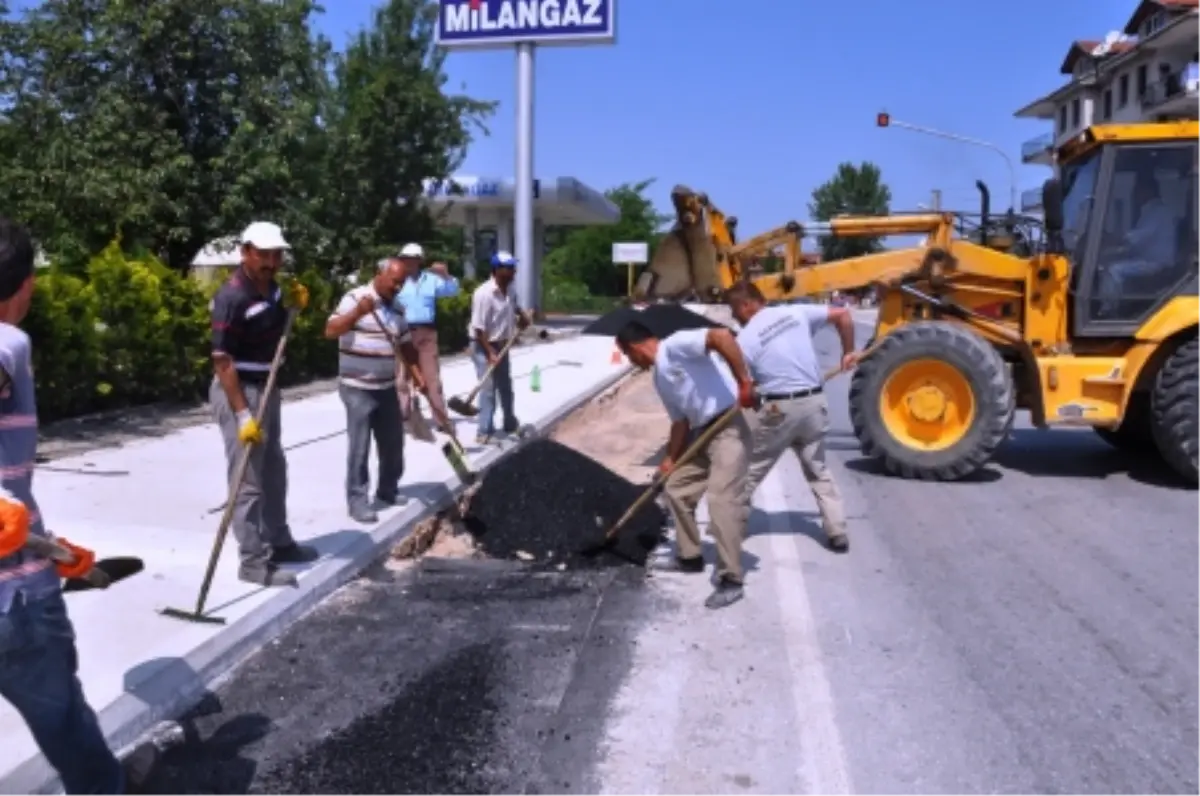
822	765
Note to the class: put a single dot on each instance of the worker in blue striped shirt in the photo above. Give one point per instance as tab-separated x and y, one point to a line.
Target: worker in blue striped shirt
38	659
418	299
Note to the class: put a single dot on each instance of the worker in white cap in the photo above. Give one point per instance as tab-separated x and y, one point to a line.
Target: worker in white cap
417	299
496	318
249	313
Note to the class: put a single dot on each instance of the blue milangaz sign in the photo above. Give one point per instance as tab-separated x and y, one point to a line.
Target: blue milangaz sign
474	23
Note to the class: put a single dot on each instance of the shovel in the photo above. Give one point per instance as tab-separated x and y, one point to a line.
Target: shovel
464	405
104	573
660	481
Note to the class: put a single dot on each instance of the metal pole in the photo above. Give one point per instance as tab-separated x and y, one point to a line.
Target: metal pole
962	139
936	200
523	205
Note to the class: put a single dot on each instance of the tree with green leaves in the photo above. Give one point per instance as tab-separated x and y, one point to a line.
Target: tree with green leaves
580	264
853	190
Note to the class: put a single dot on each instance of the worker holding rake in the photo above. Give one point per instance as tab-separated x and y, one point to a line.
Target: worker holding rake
38	658
249	315
697	396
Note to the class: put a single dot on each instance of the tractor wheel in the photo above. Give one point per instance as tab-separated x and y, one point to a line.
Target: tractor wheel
1136	433
1174	405
933	402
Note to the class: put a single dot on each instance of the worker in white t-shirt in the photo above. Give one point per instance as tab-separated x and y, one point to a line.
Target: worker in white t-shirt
777	344
696	394
1149	247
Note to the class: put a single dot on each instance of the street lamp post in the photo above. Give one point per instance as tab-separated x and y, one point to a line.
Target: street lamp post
884	119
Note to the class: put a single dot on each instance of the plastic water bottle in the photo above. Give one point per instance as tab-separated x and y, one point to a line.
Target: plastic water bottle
535	379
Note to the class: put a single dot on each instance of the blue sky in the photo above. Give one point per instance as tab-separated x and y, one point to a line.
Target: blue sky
758	106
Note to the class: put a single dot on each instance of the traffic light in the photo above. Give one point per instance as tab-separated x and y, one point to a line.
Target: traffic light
882	119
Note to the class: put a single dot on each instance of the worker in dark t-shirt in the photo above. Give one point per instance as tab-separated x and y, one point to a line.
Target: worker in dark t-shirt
249	314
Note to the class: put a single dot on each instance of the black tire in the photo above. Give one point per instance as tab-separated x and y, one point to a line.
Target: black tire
1174	405
985	372
1136	432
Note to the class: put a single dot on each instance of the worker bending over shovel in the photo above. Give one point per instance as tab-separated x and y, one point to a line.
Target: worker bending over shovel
777	343
367	386
38	659
249	314
696	394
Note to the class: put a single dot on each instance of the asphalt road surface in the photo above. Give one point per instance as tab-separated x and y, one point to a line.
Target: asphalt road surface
1032	630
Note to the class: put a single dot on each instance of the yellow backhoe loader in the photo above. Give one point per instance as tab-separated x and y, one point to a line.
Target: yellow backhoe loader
1085	317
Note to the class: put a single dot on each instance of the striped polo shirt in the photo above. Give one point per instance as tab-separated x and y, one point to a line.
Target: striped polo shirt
366	359
23	572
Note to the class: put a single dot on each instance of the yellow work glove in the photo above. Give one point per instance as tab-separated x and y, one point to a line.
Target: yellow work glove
295	296
249	432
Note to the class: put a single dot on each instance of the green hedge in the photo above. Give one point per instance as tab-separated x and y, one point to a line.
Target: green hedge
135	332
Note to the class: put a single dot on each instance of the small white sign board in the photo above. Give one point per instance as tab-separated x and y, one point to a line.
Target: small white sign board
630	253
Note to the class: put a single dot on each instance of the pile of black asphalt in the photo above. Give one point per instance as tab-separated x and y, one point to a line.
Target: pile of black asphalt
467	676
546	503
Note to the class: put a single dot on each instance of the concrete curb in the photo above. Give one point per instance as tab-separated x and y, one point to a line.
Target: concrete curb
169	687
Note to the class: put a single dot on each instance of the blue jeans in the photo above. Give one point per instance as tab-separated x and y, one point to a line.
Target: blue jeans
500	384
38	667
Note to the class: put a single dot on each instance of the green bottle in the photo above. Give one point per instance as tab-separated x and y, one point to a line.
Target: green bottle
535	379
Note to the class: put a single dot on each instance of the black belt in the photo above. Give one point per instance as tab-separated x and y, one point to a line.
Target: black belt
791	396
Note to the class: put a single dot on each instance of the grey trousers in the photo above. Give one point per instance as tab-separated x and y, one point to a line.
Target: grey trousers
800	424
372	413
260	513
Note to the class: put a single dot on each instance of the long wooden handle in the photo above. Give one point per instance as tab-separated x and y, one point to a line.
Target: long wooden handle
50	549
866	352
487	374
239	473
693	450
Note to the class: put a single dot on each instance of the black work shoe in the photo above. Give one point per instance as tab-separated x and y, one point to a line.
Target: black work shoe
363	514
838	542
687	566
395	501
727	593
294	554
268	575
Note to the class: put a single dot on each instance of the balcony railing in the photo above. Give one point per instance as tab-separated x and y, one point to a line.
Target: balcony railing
1182	83
1037	146
1031	200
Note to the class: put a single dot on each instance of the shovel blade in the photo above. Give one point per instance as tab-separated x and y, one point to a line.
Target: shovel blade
462	407
192	616
114	569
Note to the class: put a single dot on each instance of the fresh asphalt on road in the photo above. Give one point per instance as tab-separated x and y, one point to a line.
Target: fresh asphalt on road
1031	630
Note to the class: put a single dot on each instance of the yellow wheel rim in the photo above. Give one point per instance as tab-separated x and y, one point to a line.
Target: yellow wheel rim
927	405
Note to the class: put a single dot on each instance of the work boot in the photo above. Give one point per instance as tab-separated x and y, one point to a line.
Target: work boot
138	767
294	554
392	502
686	566
266	575
838	542
727	593
363	514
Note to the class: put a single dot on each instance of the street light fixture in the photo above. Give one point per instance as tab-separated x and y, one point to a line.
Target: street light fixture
884	119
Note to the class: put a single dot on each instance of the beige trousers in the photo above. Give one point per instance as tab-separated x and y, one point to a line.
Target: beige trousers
720	472
800	424
425	340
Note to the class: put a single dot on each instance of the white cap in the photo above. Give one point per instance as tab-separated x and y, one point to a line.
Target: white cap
265	236
413	250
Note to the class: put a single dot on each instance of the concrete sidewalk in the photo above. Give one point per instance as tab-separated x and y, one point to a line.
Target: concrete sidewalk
139	667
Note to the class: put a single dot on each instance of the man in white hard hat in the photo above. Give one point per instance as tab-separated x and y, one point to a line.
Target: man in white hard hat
249	313
417	299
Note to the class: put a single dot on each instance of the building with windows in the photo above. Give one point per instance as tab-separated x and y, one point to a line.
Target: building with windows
1146	72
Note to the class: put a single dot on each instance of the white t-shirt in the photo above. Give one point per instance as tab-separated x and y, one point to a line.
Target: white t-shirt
493	313
777	344
1153	238
689	381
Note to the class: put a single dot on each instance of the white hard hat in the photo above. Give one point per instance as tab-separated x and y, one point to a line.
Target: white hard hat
413	250
265	236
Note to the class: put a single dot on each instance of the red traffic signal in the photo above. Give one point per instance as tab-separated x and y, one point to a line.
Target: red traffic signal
882	120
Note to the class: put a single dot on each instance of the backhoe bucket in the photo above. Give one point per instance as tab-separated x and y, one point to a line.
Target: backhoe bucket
685	261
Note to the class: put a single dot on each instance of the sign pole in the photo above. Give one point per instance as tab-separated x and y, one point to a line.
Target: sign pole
523	192
630	267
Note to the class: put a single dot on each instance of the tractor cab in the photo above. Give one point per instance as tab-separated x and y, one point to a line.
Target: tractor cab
1123	211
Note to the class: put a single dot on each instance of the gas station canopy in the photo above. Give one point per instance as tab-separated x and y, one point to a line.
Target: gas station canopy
565	201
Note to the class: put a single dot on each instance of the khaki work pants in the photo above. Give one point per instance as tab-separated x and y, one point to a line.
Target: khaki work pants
425	340
720	472
800	424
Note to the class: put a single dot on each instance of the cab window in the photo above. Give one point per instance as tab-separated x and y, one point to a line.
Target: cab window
1147	231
